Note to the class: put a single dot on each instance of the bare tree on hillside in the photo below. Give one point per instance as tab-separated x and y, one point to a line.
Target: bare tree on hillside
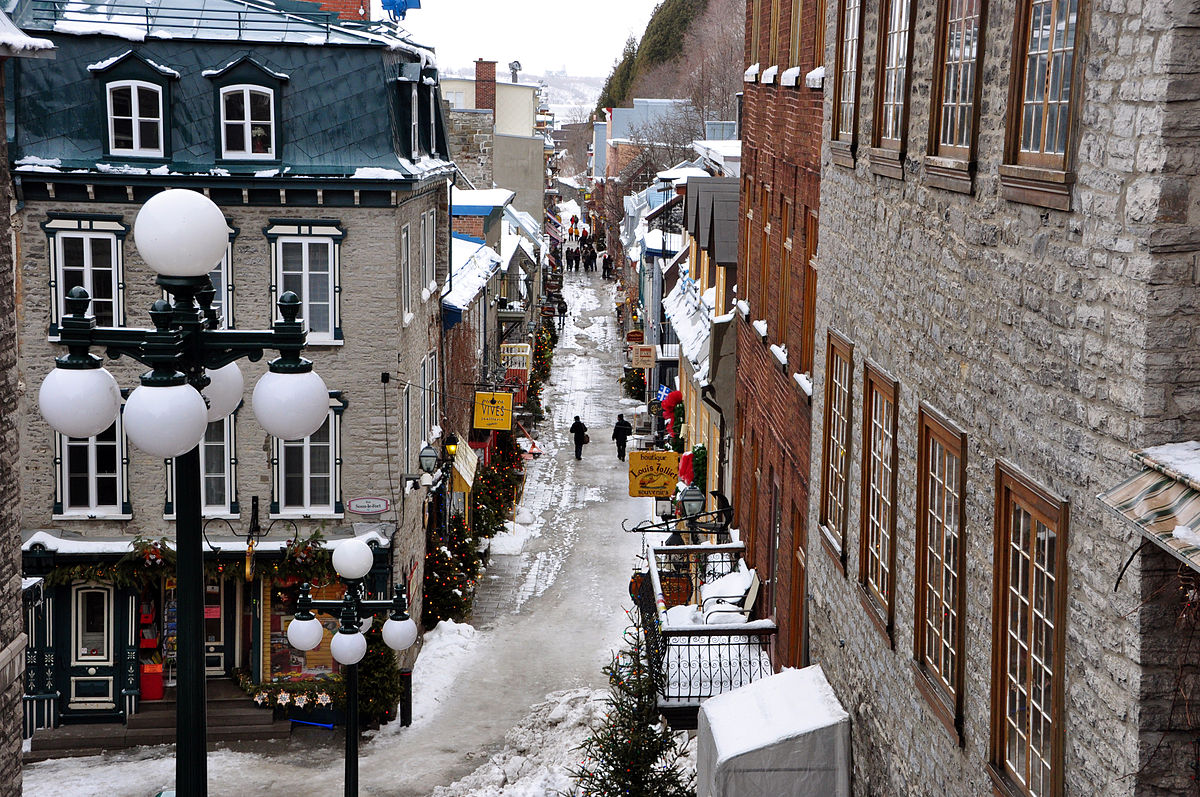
715	43
668	139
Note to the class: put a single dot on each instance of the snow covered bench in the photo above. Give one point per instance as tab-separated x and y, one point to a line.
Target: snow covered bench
701	637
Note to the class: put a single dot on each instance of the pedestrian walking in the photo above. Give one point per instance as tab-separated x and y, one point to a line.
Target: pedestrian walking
621	432
581	436
583	237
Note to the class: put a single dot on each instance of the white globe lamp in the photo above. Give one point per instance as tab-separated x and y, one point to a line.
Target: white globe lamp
224	391
305	634
348	648
79	402
400	634
364	625
291	406
352	559
165	420
181	233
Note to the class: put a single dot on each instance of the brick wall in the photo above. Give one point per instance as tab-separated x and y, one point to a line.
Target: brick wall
485	85
780	148
1056	341
470	225
346	9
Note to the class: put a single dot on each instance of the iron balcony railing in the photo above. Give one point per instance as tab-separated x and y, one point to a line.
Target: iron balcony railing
694	662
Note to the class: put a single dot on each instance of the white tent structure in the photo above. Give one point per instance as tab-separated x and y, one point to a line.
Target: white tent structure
782	736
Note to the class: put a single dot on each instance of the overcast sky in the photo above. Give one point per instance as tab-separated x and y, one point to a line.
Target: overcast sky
582	38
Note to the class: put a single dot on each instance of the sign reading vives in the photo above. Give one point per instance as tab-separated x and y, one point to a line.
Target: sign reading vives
494	411
653	474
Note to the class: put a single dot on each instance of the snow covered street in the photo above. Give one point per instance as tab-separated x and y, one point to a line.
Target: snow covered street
551	607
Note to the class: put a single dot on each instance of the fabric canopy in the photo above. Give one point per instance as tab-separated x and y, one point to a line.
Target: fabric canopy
1164	508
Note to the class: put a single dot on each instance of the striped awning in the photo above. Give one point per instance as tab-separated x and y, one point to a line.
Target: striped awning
1163	505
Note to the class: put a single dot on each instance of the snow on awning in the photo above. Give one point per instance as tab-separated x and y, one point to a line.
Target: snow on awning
691	323
474	264
750	74
665	266
1163	501
465	463
67	543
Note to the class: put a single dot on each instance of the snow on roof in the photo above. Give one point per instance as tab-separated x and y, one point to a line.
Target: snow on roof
14	41
473	265
467	199
690	320
568	209
784	706
682	173
523	222
726	148
654	241
1182	458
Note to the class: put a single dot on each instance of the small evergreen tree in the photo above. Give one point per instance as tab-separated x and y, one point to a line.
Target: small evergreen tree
379	685
634	753
451	564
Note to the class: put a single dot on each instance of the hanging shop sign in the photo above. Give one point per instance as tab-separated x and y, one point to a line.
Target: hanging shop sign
653	474
635	336
368	506
493	411
643	356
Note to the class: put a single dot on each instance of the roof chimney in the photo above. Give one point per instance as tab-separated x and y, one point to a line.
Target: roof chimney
346	9
485	85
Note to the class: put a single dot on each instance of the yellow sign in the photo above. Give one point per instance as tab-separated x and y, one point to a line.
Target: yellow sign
653	474
494	411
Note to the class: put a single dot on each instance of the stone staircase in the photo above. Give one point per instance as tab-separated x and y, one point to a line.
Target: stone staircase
232	717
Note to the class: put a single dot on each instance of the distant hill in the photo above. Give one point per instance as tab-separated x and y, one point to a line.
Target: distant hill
571	98
691	49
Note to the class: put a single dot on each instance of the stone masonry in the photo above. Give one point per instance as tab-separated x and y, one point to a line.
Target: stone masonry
472	137
1056	341
374	451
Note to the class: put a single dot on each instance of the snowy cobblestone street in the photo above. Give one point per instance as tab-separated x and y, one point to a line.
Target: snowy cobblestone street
551	605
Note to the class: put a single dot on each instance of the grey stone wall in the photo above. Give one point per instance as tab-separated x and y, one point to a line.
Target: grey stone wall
472	140
12	656
376	340
1057	341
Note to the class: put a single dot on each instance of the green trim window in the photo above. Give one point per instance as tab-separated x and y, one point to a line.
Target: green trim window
218	472
87	251
308	471
405	273
135	118
92	476
248	123
306	258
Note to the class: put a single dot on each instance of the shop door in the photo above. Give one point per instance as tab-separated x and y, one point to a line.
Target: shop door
214	625
92	638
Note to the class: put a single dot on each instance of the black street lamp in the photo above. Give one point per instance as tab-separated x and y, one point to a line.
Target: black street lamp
194	380
352	559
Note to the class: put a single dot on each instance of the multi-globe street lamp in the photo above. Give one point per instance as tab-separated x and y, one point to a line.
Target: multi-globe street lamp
352	559
194	380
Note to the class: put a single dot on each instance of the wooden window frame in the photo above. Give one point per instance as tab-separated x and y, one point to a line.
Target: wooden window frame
844	140
818	42
753	32
1039	178
946	703
794	28
796	655
764	252
833	535
774	50
952	167
782	314
887	153
808	321
880	603
1014	489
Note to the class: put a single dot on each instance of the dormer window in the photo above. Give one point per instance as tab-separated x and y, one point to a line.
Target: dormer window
247	122
135	116
414	125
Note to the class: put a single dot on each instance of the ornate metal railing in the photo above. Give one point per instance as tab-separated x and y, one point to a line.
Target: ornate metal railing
694	662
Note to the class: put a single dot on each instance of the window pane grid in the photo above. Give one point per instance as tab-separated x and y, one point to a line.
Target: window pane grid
958	73
942	541
248	122
1049	63
307	482
848	69
877	554
838	429
894	71
92	472
89	261
214	465
306	269
1029	647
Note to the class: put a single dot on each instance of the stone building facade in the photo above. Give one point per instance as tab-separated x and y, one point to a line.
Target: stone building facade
1007	304
471	134
781	126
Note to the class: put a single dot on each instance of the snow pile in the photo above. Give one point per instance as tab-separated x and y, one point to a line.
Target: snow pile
444	652
1180	458
512	539
1187	536
539	752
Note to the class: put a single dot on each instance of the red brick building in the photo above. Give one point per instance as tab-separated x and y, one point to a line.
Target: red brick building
781	168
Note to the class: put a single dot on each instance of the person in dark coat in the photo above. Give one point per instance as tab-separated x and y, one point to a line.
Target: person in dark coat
580	432
621	432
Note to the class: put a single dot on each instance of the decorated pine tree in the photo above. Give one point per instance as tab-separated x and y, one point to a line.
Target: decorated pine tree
379	684
634	753
447	585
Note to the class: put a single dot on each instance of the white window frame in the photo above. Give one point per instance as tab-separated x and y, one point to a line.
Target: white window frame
222	279
429	248
93	511
408	463
414	125
79	658
432	122
136	119
60	228
284	231
246	124
230	510
306	509
405	273
431	397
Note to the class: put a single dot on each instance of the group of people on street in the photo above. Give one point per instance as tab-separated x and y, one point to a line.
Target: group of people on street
621	433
